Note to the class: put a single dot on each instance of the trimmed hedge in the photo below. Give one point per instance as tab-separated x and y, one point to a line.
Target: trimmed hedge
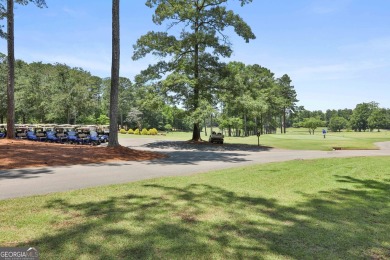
152	131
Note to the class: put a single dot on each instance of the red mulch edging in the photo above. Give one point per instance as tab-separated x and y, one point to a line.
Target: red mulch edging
24	153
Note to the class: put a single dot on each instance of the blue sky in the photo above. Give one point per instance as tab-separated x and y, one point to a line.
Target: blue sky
337	52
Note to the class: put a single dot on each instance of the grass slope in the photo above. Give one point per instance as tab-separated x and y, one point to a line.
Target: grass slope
312	209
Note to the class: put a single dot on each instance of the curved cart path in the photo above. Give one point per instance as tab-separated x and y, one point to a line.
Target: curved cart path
183	159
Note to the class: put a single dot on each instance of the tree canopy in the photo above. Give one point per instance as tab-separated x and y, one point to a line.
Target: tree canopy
8	13
188	88
190	59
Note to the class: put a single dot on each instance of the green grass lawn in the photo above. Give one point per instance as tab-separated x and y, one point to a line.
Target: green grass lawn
302	140
294	139
182	136
302	209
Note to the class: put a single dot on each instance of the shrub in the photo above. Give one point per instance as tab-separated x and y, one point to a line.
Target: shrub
297	125
130	132
144	131
122	131
153	131
103	120
168	127
136	131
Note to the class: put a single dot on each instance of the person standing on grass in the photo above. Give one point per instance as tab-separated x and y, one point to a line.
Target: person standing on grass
324	132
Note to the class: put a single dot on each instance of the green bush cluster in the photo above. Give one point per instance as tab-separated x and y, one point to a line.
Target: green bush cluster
144	132
152	131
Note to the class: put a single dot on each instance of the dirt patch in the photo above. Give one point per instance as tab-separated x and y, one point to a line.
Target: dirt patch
23	154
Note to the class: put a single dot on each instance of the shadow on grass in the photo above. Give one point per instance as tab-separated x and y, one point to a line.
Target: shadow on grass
207	221
194	157
206	146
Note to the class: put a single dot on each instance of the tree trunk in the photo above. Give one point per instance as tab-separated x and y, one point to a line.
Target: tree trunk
205	127
196	130
281	124
11	71
113	137
261	124
211	123
284	120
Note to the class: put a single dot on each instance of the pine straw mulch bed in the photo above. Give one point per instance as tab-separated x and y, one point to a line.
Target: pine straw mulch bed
24	154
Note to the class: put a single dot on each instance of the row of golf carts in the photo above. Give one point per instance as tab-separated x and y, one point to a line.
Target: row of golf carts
73	134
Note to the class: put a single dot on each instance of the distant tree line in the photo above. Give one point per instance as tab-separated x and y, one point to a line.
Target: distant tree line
57	93
247	99
364	117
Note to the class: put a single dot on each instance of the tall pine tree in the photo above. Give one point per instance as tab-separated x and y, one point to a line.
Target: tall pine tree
191	57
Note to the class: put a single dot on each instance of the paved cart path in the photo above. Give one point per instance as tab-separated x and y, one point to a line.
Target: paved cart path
183	159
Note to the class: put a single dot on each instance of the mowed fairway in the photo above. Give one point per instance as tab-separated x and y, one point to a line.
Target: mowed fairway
295	139
302	209
300	139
